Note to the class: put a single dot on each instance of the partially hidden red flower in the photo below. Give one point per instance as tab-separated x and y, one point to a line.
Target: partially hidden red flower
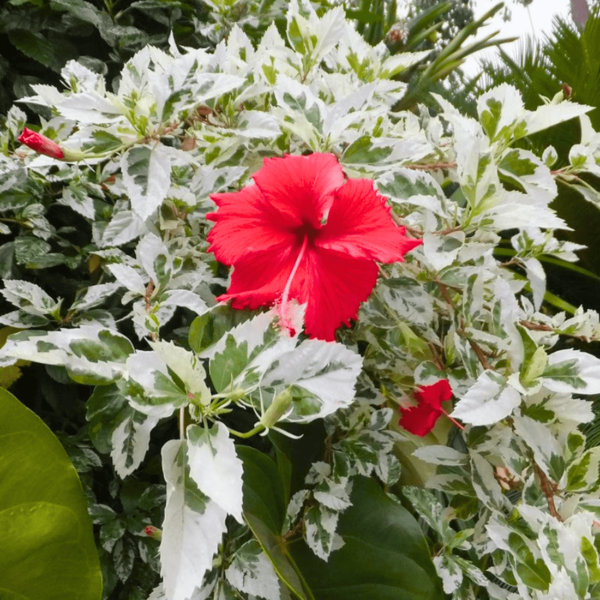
303	232
422	418
41	144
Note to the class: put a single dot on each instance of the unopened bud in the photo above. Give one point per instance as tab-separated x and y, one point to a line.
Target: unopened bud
277	409
153	532
41	144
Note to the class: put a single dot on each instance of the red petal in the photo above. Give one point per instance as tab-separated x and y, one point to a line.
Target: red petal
300	188
359	224
259	278
434	394
40	143
244	225
333	285
419	420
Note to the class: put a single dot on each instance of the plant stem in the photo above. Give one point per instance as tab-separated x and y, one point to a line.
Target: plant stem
548	490
182	423
480	355
459	425
248	434
432	167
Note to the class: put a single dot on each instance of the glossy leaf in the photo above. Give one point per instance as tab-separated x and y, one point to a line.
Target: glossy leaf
264	512
384	556
47	549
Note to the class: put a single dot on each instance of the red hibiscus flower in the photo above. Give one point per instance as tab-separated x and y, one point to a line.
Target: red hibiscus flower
304	233
422	418
41	144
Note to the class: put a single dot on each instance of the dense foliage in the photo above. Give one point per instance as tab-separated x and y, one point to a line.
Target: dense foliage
567	58
110	279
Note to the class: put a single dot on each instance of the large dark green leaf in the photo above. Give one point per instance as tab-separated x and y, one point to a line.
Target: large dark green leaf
295	457
384	557
264	511
52	53
47	549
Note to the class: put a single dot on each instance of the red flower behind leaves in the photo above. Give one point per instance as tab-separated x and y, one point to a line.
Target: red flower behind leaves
41	144
422	418
304	233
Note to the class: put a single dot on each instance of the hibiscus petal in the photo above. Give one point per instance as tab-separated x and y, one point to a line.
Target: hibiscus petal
258	279
419	420
333	285
244	224
435	394
300	187
359	224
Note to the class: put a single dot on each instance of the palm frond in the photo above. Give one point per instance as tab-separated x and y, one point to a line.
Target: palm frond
574	59
592	430
541	68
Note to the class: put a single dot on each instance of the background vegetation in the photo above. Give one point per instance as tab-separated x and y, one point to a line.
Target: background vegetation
38	37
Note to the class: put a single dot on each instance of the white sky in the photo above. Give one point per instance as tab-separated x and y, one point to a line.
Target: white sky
536	19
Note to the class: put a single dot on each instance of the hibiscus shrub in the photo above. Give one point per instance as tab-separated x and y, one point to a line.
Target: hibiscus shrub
365	360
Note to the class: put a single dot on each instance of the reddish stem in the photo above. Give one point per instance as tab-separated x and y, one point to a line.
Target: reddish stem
461	427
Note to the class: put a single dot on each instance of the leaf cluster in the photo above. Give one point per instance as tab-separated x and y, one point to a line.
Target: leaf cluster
109	280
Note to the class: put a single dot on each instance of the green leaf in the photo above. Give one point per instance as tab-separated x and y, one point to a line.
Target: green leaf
102	141
295	456
92	356
584	472
147	177
209	328
263	490
535	360
590	554
364	16
385	555
47	549
228	364
115	427
238	353
264	511
401	184
362	151
151	386
105	409
33	253
534	573
79	8
50	53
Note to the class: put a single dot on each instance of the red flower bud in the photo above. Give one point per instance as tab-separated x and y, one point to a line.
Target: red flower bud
154	532
41	144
